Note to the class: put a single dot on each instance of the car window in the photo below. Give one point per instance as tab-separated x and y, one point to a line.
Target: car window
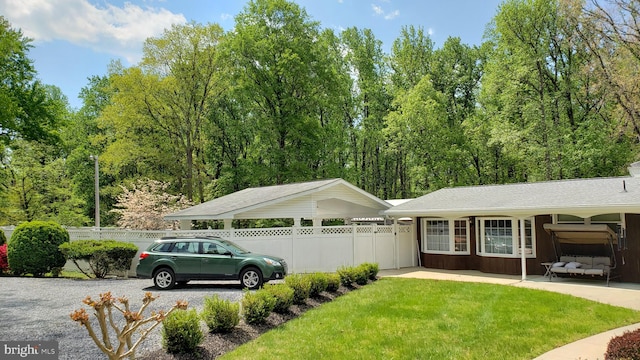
189	247
235	247
211	248
163	247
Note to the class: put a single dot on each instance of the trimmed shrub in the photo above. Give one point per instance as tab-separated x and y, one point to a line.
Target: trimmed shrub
33	248
283	295
319	283
301	285
4	265
3	238
181	332
373	270
625	346
361	274
333	282
103	256
347	275
256	306
220	315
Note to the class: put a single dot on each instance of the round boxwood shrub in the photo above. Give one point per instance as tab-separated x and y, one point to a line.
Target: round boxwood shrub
181	333
301	285
220	315
333	282
33	248
283	295
319	283
256	306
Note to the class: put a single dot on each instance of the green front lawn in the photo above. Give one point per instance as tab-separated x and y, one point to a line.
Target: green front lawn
397	318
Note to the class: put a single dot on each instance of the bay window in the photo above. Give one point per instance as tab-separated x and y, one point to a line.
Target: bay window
440	236
501	237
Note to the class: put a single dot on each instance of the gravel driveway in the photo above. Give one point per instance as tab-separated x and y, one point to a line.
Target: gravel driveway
37	309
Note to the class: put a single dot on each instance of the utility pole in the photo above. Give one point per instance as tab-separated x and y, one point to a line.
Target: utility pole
96	189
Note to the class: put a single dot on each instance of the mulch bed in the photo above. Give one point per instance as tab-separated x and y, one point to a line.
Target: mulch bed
215	345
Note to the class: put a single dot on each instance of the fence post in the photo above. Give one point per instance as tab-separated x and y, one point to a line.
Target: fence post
294	231
353	243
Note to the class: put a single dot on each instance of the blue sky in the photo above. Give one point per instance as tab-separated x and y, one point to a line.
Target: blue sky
76	39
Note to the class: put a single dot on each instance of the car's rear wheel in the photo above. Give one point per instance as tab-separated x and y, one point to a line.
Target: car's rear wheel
164	279
251	278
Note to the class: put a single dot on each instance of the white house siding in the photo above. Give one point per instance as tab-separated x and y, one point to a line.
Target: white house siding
306	249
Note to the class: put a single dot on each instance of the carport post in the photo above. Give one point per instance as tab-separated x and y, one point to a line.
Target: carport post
523	255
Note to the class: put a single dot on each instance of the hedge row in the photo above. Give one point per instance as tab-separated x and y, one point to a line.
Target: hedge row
182	334
103	256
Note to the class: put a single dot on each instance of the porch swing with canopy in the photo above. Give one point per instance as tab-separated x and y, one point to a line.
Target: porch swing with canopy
583	250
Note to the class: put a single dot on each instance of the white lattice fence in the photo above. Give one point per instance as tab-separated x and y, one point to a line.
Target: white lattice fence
305	249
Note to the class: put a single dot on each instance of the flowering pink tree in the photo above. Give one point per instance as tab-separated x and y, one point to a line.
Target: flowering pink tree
144	205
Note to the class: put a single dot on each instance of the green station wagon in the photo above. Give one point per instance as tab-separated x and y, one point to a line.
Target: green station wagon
170	261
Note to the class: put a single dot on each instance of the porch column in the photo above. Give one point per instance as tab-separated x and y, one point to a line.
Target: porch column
228	224
296	222
185	224
523	255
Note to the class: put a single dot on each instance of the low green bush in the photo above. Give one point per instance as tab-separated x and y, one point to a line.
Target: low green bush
361	274
347	275
301	285
283	295
181	333
256	306
625	346
3	238
33	248
220	315
319	283
103	256
333	282
373	270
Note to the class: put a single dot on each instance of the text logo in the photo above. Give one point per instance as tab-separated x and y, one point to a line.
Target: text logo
40	350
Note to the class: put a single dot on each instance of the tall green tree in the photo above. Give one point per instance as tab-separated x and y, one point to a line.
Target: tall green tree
279	64
160	108
371	102
27	110
40	188
611	31
539	98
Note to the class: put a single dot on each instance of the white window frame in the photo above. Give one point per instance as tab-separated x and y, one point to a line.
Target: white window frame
452	236
515	237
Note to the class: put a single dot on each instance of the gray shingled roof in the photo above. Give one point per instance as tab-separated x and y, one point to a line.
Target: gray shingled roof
580	197
227	206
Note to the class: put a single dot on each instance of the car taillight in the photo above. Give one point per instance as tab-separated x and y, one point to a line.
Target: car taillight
143	255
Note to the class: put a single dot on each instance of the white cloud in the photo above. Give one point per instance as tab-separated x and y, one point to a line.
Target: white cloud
392	15
225	17
109	29
379	11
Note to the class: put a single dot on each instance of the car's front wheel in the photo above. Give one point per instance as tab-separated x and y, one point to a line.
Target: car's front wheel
164	279
251	278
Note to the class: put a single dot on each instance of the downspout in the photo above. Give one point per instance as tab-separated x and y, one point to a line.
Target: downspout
523	255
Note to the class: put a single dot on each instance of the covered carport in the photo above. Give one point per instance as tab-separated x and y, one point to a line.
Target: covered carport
314	200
